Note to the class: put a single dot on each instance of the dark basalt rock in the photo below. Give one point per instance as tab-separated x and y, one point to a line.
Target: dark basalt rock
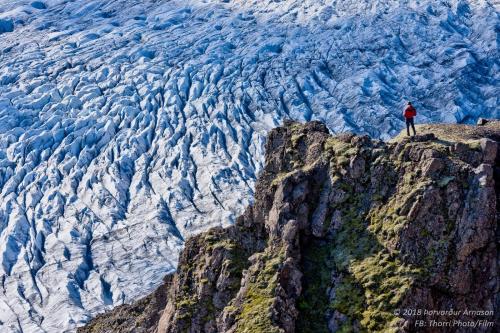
346	234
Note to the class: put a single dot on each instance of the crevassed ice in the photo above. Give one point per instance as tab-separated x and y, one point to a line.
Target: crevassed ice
126	126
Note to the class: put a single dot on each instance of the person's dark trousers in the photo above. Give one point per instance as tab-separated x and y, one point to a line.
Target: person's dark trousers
409	121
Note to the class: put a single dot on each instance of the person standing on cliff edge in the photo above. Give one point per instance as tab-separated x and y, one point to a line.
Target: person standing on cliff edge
409	113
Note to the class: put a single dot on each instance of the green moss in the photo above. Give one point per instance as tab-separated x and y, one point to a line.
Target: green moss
373	282
362	254
386	220
372	287
385	281
339	152
474	145
255	315
185	306
439	146
424	233
350	243
222	243
238	262
377	197
429	259
336	146
349	298
342	160
210	310
313	302
296	138
296	127
189	304
281	176
346	327
297	166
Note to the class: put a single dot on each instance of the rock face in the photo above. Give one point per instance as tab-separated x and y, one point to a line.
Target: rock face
346	234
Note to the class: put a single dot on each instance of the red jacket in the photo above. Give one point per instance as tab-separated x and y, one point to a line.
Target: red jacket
410	112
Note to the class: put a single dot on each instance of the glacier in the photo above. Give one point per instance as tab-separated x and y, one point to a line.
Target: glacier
126	126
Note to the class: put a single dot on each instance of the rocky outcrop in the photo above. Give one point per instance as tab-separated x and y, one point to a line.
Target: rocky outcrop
346	234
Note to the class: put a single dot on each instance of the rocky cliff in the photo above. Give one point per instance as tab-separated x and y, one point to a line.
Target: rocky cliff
346	234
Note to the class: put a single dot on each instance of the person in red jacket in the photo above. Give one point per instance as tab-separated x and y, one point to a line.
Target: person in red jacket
409	113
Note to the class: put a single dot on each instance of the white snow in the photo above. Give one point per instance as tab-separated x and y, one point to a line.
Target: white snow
126	126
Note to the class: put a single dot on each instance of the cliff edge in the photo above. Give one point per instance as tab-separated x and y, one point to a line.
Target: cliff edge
346	234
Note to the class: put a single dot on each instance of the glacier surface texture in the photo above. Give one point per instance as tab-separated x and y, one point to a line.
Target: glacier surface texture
126	126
